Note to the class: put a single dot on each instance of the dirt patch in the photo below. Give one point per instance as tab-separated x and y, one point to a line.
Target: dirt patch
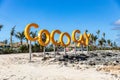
113	70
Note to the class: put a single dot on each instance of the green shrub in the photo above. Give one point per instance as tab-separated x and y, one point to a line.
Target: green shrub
90	48
49	49
7	51
23	49
36	48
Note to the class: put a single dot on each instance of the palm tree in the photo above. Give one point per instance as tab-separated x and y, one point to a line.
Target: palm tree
100	43
98	32
104	38
104	41
12	32
104	35
43	39
1	26
26	40
109	42
115	45
5	41
94	39
20	36
86	30
33	34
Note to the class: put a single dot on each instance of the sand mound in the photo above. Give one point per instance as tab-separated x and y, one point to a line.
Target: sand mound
18	67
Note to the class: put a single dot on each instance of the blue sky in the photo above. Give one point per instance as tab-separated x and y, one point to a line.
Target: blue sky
65	15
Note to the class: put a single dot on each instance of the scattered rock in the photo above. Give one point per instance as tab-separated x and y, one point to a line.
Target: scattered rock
83	57
98	58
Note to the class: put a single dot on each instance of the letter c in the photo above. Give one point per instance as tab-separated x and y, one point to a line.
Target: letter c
52	37
27	32
40	37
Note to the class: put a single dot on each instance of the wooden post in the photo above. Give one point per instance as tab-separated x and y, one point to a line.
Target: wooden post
30	51
44	52
87	48
75	49
54	51
65	50
82	48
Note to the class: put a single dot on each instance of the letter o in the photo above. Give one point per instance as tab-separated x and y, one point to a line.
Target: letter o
40	37
27	32
61	39
52	37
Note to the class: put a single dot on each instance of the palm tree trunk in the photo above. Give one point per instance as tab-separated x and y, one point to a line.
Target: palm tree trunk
21	42
82	48
54	51
11	41
75	48
44	52
95	45
101	46
87	49
27	43
65	50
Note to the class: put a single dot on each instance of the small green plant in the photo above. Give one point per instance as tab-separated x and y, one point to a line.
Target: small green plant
7	51
23	49
36	48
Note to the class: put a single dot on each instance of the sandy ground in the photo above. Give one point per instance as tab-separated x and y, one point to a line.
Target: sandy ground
18	67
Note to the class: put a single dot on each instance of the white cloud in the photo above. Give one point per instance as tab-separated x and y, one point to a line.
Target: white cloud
116	25
117	22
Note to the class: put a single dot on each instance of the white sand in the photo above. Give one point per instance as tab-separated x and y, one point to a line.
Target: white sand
17	67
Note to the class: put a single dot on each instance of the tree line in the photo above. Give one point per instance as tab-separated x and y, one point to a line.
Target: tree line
96	42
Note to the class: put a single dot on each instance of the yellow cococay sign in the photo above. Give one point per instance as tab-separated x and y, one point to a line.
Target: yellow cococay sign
83	38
